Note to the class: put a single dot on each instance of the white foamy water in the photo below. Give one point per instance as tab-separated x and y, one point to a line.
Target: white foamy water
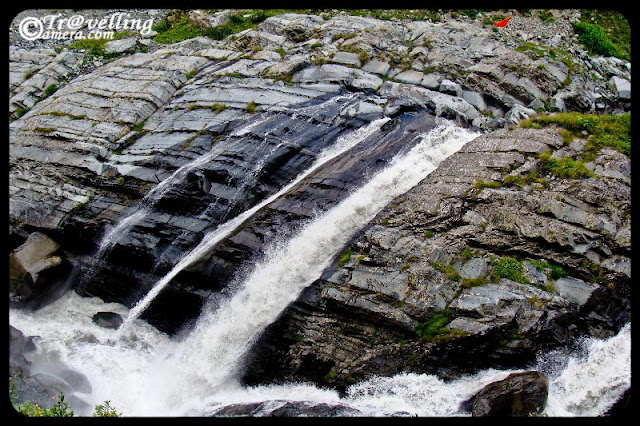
342	145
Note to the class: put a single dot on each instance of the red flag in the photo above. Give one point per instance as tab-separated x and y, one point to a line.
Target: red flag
502	23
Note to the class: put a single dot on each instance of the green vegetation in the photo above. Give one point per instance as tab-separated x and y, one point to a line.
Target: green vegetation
447	269
50	90
473	282
21	111
480	184
181	30
192	73
563	167
613	131
435	329
489	20
615	27
509	268
471	13
251	107
546	16
552	271
429	329
239	23
59	408
218	108
330	375
345	257
95	47
530	178
428	233
105	410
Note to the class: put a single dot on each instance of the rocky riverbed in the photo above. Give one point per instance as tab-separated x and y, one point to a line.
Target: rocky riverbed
487	261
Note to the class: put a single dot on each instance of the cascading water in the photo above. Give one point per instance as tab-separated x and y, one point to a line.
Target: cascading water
144	373
342	145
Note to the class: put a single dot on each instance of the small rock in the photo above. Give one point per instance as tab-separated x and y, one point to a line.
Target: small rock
108	320
120	46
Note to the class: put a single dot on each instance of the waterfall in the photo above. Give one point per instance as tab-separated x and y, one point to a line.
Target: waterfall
211	355
342	145
145	373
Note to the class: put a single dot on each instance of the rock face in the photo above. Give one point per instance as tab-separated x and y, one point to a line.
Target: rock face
519	395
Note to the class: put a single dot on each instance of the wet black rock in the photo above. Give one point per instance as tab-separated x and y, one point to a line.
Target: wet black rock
519	395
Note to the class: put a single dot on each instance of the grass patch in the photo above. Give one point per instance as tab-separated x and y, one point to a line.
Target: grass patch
480	184
530	178
613	131
473	282
345	257
616	27
567	168
180	31
447	269
251	107
218	108
509	268
428	233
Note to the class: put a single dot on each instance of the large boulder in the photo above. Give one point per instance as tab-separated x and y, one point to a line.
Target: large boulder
520	394
34	268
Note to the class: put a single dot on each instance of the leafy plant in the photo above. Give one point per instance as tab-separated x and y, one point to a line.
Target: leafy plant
105	410
509	268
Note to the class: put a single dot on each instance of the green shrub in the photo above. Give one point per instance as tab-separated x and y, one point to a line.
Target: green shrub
480	184
427	330
509	268
428	233
105	410
613	131
595	40
615	25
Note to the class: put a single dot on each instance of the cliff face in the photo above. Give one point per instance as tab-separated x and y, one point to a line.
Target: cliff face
489	259
455	275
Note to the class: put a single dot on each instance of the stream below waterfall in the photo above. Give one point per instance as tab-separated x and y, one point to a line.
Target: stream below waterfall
144	372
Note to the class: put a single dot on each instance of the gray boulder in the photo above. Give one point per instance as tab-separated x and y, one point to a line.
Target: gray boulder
34	267
519	395
621	86
120	46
